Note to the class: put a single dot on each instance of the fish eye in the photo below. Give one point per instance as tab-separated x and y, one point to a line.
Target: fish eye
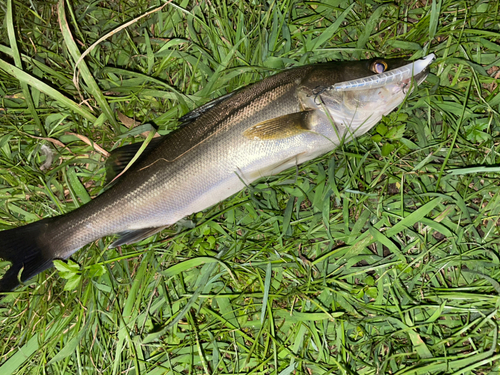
378	66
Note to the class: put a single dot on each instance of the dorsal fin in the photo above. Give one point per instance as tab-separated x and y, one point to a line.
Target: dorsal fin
197	112
120	157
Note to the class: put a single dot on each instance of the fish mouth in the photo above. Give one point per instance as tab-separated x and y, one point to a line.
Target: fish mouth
357	105
421	71
420	77
416	71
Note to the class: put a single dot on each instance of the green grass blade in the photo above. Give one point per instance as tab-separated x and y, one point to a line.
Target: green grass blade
87	76
43	87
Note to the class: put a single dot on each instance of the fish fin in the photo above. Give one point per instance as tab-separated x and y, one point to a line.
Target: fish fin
274	168
195	113
119	158
22	247
125	238
280	127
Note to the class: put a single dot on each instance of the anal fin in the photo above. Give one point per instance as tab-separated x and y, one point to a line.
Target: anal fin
129	237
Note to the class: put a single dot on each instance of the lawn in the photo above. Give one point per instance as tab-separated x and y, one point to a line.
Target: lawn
381	257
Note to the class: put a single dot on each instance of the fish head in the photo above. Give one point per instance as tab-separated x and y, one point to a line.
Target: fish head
354	96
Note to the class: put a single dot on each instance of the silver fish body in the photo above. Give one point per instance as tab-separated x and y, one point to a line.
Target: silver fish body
257	131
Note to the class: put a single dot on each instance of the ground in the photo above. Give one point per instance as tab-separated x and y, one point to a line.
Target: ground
380	257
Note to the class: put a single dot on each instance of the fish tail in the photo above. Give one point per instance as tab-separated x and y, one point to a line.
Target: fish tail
24	248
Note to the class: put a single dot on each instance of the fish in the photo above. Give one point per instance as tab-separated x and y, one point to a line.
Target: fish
219	149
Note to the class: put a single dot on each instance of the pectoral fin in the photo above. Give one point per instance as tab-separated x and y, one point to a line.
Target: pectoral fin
280	127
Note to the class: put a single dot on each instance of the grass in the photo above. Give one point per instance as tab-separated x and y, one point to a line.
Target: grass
381	257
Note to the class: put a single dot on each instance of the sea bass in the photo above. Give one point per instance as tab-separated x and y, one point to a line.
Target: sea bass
223	146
